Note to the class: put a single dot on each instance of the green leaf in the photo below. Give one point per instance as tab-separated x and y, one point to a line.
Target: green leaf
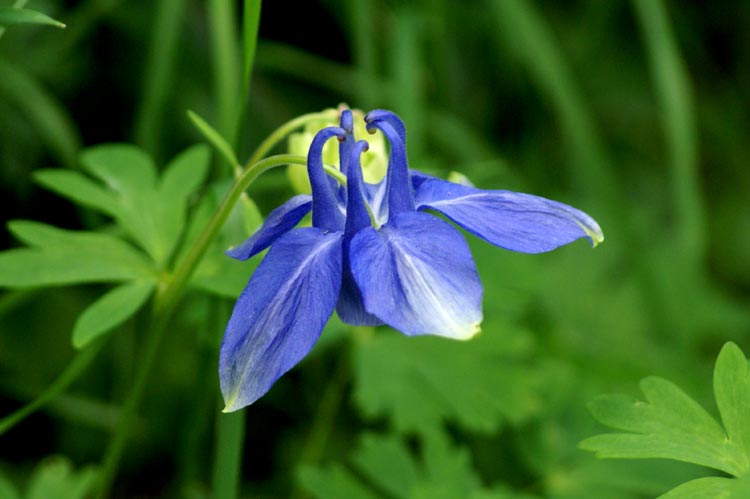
123	167
109	311
185	174
421	381
55	478
129	172
333	481
732	389
78	188
710	488
387	462
182	176
7	489
671	425
217	273
9	16
215	139
60	256
385	467
152	213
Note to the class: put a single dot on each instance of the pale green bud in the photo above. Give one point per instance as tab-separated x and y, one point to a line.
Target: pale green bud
374	161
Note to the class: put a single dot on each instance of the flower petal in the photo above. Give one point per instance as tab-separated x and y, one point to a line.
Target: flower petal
417	275
279	222
280	314
350	307
511	220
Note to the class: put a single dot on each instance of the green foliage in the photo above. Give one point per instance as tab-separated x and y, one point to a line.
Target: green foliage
215	139
109	311
384	466
631	111
53	478
671	425
421	382
57	257
153	214
10	16
152	210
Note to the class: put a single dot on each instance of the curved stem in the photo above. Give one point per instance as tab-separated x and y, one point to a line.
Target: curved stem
280	133
170	294
164	303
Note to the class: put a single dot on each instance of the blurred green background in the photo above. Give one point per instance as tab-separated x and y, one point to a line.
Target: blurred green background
635	112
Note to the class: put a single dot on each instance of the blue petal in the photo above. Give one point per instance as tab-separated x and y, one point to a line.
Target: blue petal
326	211
511	220
400	190
280	314
417	275
279	222
418	178
350	307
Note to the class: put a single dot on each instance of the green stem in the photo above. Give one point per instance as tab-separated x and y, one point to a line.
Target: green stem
158	74
165	302
128	413
70	374
280	133
365	52
250	23
678	120
171	293
230	438
221	16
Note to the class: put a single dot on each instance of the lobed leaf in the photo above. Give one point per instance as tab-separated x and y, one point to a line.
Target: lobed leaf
185	174
182	176
710	488
78	188
383	466
152	212
669	425
125	168
59	256
422	381
387	463
672	425
55	478
333	481
732	390
109	311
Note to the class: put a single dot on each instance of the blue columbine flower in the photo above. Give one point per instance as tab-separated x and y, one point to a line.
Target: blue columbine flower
375	256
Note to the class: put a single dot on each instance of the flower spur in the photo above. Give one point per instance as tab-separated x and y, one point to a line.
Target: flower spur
375	256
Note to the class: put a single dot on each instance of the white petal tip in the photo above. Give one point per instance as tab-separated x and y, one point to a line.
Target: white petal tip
230	405
593	232
468	333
